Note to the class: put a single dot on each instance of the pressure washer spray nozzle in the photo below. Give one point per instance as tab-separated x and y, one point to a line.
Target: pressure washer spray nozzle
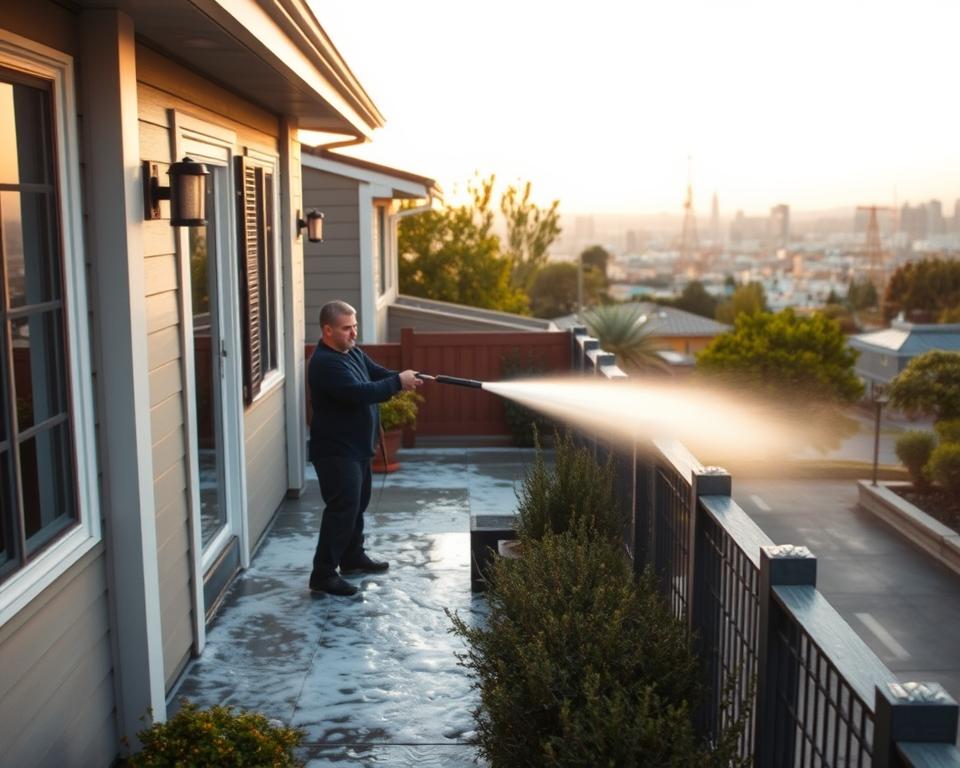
457	381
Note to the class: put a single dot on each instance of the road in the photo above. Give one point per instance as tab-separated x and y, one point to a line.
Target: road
904	605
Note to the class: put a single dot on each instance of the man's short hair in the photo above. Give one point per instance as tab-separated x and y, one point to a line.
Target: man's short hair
333	311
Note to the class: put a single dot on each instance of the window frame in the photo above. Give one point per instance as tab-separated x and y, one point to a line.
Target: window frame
38	573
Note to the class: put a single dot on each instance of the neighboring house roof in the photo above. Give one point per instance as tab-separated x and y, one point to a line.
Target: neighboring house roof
909	339
272	52
405	185
445	310
664	321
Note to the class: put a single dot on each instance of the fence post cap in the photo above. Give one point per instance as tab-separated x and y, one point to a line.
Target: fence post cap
787	552
917	693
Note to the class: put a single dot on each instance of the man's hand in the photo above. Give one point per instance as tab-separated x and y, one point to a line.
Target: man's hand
409	380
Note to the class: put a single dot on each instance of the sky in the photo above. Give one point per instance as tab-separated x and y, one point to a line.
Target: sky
608	105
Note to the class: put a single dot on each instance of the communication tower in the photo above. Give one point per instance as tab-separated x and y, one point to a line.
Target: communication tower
689	245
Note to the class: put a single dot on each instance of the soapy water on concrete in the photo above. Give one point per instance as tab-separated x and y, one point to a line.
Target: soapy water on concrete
716	426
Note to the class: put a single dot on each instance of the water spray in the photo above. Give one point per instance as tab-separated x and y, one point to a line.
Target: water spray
455	380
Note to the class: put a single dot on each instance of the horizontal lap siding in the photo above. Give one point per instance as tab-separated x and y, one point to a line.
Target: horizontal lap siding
164	85
57	703
331	269
56	680
165	364
265	443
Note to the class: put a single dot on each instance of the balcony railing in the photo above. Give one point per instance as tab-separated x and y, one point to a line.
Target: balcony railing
817	695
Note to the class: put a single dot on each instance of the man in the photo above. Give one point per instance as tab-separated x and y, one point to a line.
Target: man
345	387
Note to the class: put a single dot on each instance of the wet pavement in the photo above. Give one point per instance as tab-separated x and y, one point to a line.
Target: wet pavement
372	680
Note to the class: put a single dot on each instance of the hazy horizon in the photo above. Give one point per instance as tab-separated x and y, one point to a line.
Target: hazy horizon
820	105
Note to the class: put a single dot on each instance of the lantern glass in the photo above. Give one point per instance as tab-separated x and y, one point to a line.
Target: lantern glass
188	190
315	227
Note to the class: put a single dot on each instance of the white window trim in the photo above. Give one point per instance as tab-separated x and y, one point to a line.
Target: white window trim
275	378
19	590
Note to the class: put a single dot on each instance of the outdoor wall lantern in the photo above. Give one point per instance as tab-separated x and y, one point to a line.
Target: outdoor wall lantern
313	224
187	193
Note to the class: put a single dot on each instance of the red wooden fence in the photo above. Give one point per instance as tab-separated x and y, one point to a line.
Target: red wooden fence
455	411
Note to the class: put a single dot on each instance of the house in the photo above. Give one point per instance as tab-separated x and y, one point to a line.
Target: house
884	353
151	375
681	334
358	260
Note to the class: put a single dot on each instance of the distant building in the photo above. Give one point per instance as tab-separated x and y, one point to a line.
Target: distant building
883	354
779	227
715	219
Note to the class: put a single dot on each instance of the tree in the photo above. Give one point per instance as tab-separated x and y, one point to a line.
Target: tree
785	356
626	332
530	231
695	299
554	290
596	257
923	289
453	255
747	299
862	294
930	385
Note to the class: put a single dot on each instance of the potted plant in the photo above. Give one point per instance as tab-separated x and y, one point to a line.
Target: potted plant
396	413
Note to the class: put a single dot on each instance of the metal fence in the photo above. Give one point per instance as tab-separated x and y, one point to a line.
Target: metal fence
812	692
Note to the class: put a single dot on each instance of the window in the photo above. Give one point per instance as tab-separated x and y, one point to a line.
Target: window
258	274
46	484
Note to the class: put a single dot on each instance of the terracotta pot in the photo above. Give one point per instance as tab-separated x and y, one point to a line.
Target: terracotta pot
391	444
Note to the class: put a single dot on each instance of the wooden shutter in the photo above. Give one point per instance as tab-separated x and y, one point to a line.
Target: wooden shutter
250	238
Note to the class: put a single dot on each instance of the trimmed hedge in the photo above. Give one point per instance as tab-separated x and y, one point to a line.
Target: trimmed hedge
914	448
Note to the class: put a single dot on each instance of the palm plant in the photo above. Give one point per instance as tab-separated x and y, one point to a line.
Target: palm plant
626	331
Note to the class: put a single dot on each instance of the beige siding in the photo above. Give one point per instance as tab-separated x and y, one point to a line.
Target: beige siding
331	269
165	363
46	22
163	86
265	444
56	681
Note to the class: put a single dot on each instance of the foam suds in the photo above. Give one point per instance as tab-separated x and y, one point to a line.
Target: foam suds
717	427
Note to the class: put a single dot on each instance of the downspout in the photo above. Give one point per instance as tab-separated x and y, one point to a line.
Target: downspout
432	195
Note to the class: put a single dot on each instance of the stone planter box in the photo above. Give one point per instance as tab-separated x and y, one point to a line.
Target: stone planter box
911	522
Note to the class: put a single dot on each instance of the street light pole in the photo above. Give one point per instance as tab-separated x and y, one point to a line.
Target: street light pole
879	400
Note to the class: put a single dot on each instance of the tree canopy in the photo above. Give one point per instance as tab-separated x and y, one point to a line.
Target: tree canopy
554	290
923	290
695	299
749	299
530	231
930	384
453	255
785	356
862	294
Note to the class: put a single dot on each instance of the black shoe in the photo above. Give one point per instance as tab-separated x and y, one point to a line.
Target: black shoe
363	564
333	585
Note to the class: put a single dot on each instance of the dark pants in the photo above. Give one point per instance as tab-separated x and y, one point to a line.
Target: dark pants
345	488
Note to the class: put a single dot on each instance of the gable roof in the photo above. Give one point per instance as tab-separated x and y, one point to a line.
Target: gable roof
909	339
665	321
404	185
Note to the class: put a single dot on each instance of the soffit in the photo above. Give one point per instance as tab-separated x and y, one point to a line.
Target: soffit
258	50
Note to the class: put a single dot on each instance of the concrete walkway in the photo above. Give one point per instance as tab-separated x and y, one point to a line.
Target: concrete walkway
373	680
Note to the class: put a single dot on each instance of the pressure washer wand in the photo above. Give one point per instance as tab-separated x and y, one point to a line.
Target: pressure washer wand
455	380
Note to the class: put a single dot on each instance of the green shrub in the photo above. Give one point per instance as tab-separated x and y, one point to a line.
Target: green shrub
948	430
579	666
577	488
400	410
944	467
913	449
219	736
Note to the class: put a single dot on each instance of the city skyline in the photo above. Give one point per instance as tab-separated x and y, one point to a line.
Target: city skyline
819	107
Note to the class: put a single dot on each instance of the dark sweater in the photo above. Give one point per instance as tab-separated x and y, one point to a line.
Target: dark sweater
344	391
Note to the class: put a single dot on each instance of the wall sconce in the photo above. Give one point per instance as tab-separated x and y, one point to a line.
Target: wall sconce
313	225
186	193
